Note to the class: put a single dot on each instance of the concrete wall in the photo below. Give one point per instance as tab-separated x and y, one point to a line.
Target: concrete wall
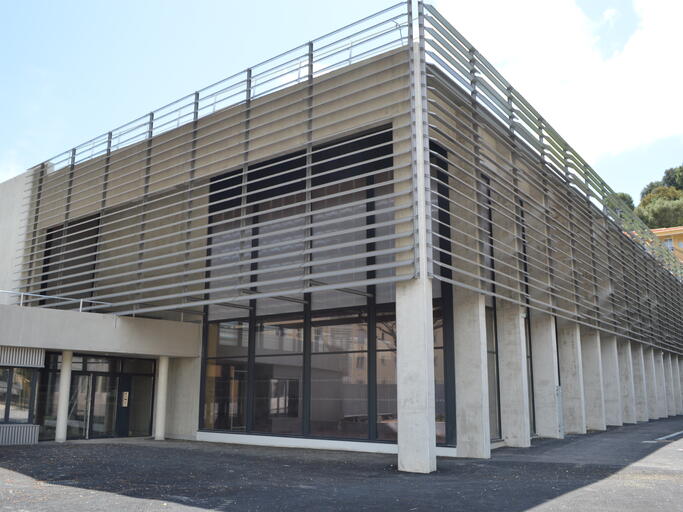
182	413
54	329
12	228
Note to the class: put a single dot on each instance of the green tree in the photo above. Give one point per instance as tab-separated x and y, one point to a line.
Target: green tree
661	193
662	213
649	188
673	177
627	199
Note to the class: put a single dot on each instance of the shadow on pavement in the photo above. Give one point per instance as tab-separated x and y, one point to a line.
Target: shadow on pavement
182	474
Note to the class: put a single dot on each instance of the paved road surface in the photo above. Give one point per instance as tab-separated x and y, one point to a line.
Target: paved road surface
621	470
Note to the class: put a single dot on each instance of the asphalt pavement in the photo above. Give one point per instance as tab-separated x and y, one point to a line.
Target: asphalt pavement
624	469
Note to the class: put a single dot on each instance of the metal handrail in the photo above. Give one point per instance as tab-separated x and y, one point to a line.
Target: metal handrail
69	300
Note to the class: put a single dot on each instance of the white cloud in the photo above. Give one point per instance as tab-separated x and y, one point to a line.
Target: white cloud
603	106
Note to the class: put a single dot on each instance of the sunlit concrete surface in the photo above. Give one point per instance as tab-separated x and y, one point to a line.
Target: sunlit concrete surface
624	468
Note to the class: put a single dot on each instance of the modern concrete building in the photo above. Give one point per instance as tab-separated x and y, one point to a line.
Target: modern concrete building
372	242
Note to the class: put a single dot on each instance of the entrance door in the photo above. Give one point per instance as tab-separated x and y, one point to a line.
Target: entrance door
103	410
92	406
79	407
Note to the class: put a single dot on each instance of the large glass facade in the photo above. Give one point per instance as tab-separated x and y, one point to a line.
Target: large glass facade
323	374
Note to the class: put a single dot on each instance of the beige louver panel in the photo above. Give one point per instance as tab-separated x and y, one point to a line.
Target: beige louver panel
291	177
519	215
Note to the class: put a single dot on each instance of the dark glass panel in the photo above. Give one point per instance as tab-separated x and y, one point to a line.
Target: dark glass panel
387	426
138	366
228	339
46	410
492	359
225	395
280	337
4	386
339	395
104	400
329	334
20	399
278	392
140	405
101	364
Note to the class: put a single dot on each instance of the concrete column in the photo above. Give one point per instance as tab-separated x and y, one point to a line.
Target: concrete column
415	376
571	376
669	380
591	360
63	397
512	372
651	383
678	389
471	375
548	409
639	382
627	383
160	399
662	409
610	379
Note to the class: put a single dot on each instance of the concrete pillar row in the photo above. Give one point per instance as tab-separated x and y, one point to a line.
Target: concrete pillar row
627	383
678	388
571	377
63	397
160	399
546	382
471	375
639	382
669	382
651	382
611	379
662	408
591	360
512	374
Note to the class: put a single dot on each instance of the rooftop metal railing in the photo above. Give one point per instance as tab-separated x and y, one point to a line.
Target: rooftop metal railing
63	300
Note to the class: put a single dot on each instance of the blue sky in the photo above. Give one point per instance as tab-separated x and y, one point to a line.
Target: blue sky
73	70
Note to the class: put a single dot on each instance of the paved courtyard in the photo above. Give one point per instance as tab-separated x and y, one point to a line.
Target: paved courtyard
622	469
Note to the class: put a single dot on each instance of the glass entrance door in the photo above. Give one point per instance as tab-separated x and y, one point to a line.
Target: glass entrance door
79	407
104	400
92	406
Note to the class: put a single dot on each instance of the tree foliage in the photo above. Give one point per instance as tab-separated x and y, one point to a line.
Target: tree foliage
673	177
661	202
649	188
627	199
662	213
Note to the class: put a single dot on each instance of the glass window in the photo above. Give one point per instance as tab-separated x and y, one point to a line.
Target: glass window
101	364
278	392
387	425
280	337
339	395
228	339
225	395
4	385
138	366
336	334
20	399
494	414
46	408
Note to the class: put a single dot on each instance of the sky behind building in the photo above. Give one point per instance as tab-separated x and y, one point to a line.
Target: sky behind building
604	73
